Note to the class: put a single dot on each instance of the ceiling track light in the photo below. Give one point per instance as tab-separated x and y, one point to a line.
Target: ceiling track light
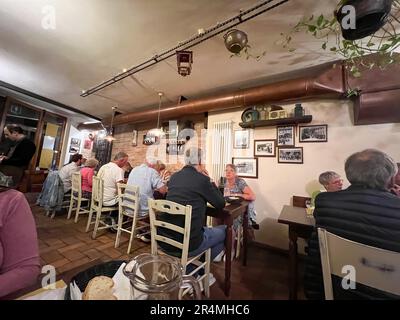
200	37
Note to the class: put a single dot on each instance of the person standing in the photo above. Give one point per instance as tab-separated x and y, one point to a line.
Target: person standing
20	154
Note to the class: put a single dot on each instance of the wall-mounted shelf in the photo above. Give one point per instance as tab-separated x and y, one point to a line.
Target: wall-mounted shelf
276	122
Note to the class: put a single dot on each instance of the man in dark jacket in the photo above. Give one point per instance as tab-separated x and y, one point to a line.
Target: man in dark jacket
192	186
366	212
18	157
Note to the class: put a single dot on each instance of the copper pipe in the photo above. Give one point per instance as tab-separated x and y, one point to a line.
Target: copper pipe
327	83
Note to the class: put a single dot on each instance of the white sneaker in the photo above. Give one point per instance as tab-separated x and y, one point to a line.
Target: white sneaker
219	257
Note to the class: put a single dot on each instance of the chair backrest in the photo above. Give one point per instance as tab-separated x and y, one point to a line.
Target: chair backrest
374	267
128	199
97	192
76	183
164	206
299	201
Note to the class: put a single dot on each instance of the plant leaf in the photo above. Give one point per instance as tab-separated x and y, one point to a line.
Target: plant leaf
320	20
324	46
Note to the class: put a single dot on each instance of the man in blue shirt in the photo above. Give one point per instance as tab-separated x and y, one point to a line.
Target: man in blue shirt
148	180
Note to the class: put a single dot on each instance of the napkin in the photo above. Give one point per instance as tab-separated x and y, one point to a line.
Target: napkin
122	285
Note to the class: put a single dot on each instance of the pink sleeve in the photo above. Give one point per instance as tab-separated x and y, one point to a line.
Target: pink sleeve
19	251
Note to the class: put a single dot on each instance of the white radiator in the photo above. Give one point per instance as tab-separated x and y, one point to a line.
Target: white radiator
221	148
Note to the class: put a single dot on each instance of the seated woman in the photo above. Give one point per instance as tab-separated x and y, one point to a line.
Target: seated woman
235	186
87	174
19	253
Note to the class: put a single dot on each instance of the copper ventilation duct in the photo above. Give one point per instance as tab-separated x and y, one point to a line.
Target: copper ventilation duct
377	103
327	83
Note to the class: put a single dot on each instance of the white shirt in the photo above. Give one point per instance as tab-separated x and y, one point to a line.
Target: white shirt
111	174
65	174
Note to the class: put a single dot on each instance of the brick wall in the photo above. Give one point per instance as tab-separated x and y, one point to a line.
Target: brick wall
137	154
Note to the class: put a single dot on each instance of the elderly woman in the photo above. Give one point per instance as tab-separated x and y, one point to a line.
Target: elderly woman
87	174
235	186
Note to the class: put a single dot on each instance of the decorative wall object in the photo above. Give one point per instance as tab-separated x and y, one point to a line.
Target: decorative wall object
134	138
265	148
246	167
75	145
241	139
285	136
175	147
314	133
290	155
150	139
250	114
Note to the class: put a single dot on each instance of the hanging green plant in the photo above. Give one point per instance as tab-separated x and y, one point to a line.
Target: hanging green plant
329	31
246	53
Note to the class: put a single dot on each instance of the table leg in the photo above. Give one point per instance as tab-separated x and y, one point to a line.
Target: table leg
292	264
245	235
228	258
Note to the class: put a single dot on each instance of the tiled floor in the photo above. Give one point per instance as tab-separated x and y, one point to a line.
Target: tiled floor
65	245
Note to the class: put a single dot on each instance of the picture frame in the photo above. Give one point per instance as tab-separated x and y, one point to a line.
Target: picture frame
265	148
75	145
292	155
285	136
134	138
175	147
313	133
150	139
246	167
241	139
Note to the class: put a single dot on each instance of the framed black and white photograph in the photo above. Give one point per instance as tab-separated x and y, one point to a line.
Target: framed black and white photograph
314	133
285	136
290	155
265	148
150	139
241	139
75	145
175	147
246	167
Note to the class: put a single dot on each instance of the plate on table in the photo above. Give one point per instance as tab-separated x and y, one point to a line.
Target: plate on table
233	199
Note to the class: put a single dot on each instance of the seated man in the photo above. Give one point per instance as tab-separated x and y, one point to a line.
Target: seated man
112	174
366	212
192	186
20	154
66	171
331	181
396	186
148	180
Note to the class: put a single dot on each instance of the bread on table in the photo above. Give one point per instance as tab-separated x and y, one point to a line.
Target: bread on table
99	288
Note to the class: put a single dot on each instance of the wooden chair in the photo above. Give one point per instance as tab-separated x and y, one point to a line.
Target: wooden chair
129	207
76	197
97	206
172	208
375	267
299	201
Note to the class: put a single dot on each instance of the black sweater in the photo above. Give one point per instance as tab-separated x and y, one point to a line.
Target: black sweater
190	187
22	155
367	216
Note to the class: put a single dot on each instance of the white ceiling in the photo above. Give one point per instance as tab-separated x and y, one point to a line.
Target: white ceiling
95	39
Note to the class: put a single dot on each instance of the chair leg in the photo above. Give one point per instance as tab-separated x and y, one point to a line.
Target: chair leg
96	225
207	272
78	209
132	235
89	219
118	237
71	205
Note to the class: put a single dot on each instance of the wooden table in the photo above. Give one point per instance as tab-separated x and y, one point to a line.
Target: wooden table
300	225
227	215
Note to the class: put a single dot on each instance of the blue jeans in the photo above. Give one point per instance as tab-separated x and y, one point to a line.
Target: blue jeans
213	238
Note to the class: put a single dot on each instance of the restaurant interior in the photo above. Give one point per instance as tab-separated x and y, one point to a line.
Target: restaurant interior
268	88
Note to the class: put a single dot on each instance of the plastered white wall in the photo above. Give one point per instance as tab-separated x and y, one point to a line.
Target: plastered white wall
277	183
